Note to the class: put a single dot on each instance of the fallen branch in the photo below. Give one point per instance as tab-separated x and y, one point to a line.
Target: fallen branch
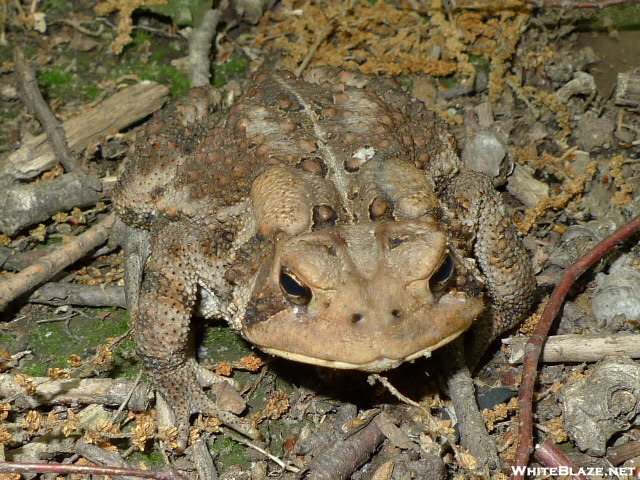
56	293
534	346
577	348
200	48
551	456
117	112
344	457
70	391
63	469
14	262
619	454
28	204
48	266
32	98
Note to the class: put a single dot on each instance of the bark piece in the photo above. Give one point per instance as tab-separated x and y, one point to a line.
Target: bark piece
25	205
628	88
55	293
103	391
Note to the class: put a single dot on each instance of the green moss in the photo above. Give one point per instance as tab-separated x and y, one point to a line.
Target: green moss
177	81
57	7
448	82
224	345
235	68
481	63
140	37
9	115
91	92
30	50
52	342
127	364
621	17
56	82
229	452
153	459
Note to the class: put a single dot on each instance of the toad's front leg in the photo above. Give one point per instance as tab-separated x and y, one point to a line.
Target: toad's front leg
478	214
162	321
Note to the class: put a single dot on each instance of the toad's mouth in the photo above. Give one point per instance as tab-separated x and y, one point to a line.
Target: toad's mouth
374	344
377	365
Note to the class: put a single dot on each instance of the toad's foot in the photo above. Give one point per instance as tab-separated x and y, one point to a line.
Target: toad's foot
181	388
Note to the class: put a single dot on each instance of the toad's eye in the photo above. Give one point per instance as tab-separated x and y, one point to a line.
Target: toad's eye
295	291
442	274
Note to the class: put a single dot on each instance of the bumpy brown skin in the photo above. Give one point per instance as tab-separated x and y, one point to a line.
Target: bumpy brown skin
346	184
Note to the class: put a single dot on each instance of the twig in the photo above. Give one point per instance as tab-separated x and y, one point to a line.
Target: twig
578	348
34	101
534	346
568	4
125	401
57	293
63	469
84	30
341	459
249	444
53	263
200	47
322	35
551	456
86	391
394	391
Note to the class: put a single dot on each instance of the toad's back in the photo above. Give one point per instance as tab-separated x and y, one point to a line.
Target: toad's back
344	154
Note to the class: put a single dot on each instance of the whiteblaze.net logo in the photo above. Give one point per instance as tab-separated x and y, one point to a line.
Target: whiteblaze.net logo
591	472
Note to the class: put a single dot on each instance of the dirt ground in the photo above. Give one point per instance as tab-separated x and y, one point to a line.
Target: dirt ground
544	100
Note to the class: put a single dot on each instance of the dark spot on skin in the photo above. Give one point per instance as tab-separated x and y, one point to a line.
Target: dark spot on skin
157	192
395	242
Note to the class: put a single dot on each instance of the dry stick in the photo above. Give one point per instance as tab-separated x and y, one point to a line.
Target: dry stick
578	348
619	454
534	346
53	263
34	101
551	456
324	33
200	47
69	391
568	4
63	469
58	294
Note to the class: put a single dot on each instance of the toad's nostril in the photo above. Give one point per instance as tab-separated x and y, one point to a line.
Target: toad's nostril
396	313
356	317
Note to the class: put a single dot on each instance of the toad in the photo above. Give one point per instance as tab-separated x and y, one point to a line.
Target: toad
329	220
